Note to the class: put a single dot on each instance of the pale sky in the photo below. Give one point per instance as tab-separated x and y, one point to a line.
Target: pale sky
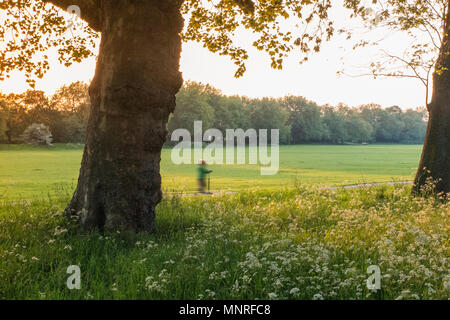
315	80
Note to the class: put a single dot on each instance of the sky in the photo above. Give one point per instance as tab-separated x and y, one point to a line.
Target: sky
316	80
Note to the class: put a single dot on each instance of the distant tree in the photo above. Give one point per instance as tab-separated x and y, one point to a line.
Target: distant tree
334	120
73	104
268	114
371	113
390	125
299	120
72	98
39	109
14	117
74	129
37	105
229	113
358	130
305	120
415	125
3	120
3	125
192	105
395	125
38	134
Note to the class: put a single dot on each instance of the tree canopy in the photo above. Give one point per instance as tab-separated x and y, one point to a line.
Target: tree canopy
29	28
299	120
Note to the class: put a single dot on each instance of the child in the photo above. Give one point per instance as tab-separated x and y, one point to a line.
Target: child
202	172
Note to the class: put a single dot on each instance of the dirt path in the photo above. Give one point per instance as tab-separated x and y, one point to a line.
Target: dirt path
352	186
364	185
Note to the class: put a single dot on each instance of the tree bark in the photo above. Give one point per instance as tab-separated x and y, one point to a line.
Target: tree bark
132	95
435	161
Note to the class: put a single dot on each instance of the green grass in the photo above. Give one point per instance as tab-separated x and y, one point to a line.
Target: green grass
297	243
32	172
279	237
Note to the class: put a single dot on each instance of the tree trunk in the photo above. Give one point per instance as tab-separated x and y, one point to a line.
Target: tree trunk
435	162
8	134
9	131
132	95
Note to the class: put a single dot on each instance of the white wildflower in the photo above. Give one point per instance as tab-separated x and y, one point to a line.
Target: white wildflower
272	295
294	291
317	296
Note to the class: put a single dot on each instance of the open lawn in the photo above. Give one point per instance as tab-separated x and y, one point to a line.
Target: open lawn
33	172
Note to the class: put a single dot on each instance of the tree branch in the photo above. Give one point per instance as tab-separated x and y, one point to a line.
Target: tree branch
410	65
381	74
436	45
90	10
435	10
438	33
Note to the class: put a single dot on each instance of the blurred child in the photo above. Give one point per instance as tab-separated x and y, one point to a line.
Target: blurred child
202	172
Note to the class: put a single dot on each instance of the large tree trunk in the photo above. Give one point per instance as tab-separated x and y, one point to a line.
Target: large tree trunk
132	95
435	162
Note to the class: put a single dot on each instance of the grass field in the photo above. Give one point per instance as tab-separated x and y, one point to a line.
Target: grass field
301	243
32	172
278	237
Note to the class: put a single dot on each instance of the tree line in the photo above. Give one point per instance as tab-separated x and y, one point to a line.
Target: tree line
299	120
65	113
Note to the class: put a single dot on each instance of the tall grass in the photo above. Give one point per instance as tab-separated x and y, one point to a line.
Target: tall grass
296	243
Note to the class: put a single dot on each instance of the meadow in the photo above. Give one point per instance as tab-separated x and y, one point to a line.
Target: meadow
297	243
276	237
28	172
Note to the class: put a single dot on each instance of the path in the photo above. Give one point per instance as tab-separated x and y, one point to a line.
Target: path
352	186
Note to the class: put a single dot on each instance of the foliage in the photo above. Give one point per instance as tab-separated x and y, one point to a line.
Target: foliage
13	118
268	114
305	120
30	28
192	105
65	113
300	243
214	25
299	120
38	134
209	22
